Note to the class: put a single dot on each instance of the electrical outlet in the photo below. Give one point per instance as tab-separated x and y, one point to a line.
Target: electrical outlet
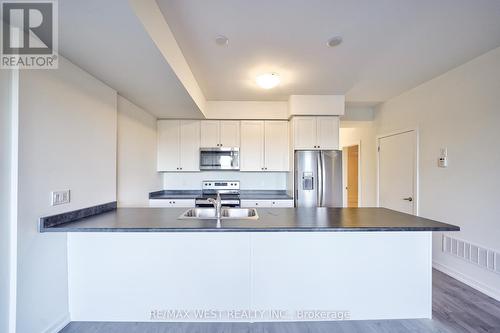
60	197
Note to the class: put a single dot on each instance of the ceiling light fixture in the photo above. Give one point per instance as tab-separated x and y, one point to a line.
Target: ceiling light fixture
221	40
268	80
334	41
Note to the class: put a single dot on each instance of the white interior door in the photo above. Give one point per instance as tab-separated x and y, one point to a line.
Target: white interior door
397	172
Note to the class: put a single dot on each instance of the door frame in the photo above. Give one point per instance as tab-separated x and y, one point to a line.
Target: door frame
344	172
416	138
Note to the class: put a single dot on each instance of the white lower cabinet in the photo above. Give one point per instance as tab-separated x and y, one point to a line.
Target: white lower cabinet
267	203
188	203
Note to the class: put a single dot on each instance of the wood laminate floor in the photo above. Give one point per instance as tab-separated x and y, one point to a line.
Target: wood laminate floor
456	308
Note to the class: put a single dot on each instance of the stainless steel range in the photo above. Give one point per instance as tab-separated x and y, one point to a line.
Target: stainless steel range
229	192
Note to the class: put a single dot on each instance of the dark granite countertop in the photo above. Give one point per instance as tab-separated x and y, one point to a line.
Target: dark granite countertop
244	194
270	220
175	194
264	195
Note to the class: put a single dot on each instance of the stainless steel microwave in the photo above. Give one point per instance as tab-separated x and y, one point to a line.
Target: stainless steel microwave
220	158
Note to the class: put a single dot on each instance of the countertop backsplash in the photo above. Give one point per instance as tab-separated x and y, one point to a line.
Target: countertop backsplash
248	180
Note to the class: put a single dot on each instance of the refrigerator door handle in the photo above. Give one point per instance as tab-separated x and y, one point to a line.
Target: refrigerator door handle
320	179
323	179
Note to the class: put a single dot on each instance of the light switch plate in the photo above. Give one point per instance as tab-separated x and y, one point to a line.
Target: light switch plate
60	197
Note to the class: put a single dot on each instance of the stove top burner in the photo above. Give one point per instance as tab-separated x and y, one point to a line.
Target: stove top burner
229	193
223	196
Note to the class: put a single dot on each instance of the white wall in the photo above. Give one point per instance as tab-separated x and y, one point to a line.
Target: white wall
459	110
357	113
363	133
8	186
5	160
67	140
249	180
246	110
313	105
136	154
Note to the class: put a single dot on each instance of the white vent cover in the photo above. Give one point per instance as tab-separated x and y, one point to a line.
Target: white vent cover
478	255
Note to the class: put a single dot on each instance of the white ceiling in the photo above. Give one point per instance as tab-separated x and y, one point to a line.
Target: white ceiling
106	39
389	45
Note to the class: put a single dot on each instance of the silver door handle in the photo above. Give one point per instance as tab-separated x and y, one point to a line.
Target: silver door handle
320	180
408	199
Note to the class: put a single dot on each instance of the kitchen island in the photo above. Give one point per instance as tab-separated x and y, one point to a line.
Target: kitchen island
144	264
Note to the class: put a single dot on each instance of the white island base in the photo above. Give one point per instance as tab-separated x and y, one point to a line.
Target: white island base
243	276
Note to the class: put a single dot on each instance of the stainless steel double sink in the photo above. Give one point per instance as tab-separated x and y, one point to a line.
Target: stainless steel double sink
226	214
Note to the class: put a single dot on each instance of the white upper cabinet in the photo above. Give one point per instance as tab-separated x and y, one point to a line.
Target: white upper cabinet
209	133
304	132
229	133
189	145
316	132
178	145
168	145
264	146
327	132
276	146
252	146
220	133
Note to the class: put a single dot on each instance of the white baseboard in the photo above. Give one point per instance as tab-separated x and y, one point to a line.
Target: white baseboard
59	324
467	280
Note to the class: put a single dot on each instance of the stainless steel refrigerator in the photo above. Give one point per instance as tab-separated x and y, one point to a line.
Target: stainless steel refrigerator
318	178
